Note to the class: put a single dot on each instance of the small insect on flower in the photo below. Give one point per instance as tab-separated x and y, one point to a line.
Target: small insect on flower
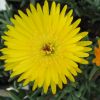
97	54
45	47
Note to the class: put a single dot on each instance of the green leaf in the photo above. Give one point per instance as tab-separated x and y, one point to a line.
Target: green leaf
93	71
66	90
13	96
33	1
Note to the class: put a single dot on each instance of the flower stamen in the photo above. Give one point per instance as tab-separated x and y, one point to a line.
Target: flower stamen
48	49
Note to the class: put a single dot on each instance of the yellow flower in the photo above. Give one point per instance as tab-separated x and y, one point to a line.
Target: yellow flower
97	54
44	46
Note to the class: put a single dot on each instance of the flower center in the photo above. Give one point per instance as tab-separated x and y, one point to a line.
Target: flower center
48	49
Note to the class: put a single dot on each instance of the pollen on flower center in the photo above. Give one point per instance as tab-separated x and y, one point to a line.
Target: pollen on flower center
48	49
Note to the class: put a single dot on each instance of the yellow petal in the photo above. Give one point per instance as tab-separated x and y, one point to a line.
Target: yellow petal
46	8
60	83
26	82
84	43
34	86
63	78
64	10
86	49
53	87
69	75
76	23
83	61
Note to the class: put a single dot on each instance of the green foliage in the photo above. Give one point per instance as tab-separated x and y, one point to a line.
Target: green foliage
4	20
87	86
85	8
